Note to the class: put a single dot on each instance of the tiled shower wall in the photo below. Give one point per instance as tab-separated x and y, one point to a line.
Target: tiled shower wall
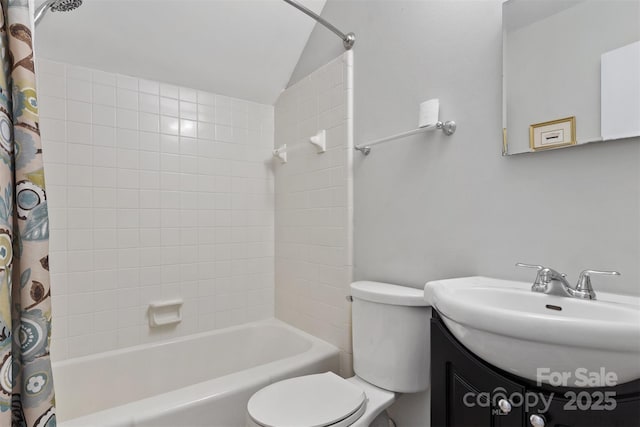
314	206
155	192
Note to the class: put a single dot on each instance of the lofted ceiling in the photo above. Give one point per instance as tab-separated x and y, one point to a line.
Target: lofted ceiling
241	48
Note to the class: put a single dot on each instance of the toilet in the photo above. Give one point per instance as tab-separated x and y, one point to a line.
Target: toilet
391	355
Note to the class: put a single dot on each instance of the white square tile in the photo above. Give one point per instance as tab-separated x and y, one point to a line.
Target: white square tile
128	178
104	219
50	67
79	325
79	217
188	110
206	131
189	128
104	156
150	218
79	90
104	95
52	85
170	200
80	197
77	72
78	111
78	133
206	113
57	174
151	256
126	82
128	239
149	160
128	218
104	177
169	91
129	258
54	130
105	238
79	154
224	133
104	78
103	135
149	122
187	94
79	239
149	180
169	107
105	317
149	141
51	107
127	139
127	119
54	152
127	337
128	198
223	101
169	144
240	118
149	103
127	99
188	146
104	197
127	159
170	181
169	162
188	164
148	86
149	200
104	115
206	98
223	114
169	125
104	280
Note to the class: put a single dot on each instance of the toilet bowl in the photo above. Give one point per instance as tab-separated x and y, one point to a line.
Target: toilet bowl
390	326
321	400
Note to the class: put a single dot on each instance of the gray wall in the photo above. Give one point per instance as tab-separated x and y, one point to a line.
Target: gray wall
432	206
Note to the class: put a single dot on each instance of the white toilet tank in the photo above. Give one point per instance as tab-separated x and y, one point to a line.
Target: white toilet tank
390	325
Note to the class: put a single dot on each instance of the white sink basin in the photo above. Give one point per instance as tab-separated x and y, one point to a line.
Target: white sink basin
542	337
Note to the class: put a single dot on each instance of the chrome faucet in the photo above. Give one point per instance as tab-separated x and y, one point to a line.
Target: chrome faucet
549	281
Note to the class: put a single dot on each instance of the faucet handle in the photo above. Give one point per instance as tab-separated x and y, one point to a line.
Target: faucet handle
538	267
537	284
584	288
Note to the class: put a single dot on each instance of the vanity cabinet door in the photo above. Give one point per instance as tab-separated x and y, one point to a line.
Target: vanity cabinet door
465	393
563	410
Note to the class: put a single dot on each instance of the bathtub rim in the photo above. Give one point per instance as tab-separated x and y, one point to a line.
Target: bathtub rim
185	338
129	414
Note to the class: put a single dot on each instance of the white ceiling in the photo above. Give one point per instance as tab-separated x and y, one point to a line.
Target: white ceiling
241	48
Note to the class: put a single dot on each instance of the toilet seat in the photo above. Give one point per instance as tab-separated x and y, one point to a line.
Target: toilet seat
319	400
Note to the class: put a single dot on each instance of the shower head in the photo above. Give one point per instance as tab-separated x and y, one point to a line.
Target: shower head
65	5
56	6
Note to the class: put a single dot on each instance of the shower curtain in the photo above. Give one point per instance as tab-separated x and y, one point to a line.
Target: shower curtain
26	384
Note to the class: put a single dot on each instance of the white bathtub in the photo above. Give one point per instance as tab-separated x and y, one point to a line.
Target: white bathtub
202	379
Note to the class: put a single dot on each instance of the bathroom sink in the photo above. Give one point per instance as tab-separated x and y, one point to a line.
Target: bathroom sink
549	339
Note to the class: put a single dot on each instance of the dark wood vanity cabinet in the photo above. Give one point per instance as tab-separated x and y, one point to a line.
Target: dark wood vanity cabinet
466	392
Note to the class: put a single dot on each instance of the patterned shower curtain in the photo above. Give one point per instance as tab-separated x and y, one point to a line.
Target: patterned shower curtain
26	383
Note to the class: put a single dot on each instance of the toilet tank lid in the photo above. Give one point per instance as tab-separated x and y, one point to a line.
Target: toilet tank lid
386	293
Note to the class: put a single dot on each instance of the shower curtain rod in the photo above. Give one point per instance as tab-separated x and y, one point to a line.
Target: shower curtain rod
347	39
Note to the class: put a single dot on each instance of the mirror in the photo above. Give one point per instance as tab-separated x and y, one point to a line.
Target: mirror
570	73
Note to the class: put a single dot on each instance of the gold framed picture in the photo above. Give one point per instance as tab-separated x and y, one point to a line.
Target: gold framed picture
553	134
